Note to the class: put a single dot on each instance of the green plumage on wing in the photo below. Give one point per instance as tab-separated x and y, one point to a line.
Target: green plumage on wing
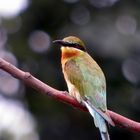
84	74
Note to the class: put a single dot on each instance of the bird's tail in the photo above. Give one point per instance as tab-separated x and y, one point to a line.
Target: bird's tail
99	122
105	136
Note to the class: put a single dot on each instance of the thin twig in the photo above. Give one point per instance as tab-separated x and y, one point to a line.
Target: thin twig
63	96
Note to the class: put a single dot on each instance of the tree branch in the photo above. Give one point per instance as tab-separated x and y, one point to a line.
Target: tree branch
63	96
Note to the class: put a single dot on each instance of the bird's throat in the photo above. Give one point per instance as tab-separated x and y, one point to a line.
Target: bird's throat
68	53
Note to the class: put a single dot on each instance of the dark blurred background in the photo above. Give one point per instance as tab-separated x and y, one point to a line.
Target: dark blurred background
111	32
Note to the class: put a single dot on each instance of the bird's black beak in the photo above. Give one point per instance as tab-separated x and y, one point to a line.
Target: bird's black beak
61	42
58	42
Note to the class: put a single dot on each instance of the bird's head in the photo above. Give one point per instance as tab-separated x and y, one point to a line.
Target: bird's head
71	42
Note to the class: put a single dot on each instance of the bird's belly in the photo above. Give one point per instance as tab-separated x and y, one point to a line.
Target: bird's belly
74	92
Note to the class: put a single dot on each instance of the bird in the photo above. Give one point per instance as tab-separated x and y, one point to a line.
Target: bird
85	81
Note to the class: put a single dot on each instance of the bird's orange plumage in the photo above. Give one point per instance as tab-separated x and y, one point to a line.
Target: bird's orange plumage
68	53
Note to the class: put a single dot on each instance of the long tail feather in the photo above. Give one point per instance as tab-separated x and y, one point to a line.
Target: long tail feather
99	122
105	115
105	136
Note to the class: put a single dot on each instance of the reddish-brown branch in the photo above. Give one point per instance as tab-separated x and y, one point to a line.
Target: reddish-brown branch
63	96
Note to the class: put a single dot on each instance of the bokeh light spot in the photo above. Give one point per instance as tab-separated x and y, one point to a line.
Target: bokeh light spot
80	15
126	24
11	8
16	121
8	84
39	41
8	56
131	70
102	3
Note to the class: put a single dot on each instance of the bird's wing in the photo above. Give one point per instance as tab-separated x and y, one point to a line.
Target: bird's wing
85	74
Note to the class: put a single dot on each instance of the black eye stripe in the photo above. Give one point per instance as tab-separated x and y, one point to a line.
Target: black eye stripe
80	47
75	45
70	44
